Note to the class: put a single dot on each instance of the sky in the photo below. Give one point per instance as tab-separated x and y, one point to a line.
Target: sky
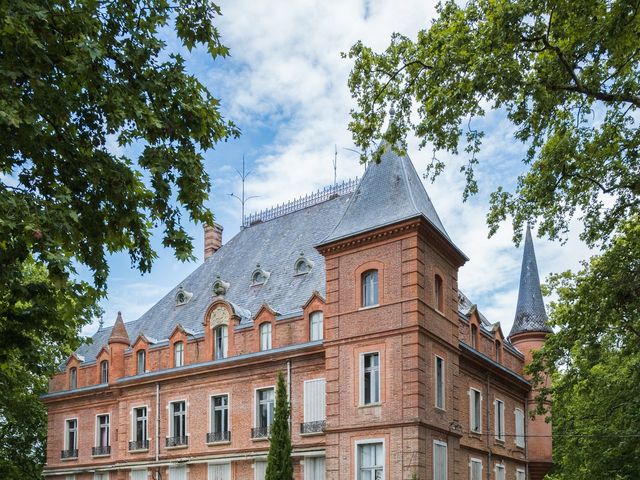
285	86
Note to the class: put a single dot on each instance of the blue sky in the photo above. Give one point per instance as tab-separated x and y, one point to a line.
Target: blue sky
285	85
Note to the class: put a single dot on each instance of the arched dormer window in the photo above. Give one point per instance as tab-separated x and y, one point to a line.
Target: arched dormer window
73	378
182	296
438	293
141	361
178	354
259	276
316	321
104	371
498	351
221	342
302	266
474	336
265	336
370	288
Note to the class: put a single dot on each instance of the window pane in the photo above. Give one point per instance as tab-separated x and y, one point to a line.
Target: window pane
316	330
370	288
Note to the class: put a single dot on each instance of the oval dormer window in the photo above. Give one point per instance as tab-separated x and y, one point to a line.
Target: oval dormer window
259	276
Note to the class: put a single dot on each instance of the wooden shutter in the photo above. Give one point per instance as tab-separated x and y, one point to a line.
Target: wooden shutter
314	400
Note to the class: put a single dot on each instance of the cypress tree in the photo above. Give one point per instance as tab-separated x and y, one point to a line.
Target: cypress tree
279	464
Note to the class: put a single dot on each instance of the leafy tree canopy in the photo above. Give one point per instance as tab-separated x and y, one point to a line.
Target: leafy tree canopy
80	81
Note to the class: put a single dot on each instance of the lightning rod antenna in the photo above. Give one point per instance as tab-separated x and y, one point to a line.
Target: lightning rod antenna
243	200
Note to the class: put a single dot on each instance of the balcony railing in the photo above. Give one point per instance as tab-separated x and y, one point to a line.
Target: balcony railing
313	427
213	437
101	450
69	453
260	432
139	445
177	441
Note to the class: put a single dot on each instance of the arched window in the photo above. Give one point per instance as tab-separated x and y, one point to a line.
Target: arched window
370	288
73	378
498	352
474	336
178	354
221	341
104	372
259	276
141	361
438	293
316	326
265	336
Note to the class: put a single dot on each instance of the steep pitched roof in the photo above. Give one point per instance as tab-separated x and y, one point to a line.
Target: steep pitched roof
119	331
390	191
530	313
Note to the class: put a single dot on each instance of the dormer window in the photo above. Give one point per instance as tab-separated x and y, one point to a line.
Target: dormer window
302	266
104	371
182	296
178	354
73	378
474	336
498	352
259	276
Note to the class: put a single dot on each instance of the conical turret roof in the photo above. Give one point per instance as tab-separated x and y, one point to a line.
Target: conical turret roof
119	331
389	192
530	312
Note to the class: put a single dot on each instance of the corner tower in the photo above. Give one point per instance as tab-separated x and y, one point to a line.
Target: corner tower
528	334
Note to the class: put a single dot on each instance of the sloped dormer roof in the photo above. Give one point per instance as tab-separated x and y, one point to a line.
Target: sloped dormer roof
530	313
390	191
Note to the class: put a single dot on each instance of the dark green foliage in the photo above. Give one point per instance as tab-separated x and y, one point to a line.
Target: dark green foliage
279	464
79	82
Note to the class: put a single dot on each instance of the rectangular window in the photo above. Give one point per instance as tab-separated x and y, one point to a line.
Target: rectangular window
222	342
220	417
475	467
499	418
178	473
475	410
73	378
519	414
520	474
439	382
500	472
265	406
102	430
178	419
219	471
140	474
101	476
265	336
178	353
314	400
370	288
316	326
370	379
370	461
140	425
71	434
439	460
104	372
141	362
314	468
260	468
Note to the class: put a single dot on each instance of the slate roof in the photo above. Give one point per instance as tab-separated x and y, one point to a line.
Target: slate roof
530	312
390	191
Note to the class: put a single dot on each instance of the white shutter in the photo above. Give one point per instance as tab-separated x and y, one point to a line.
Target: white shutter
314	400
314	468
261	469
178	473
439	461
476	469
139	474
519	427
500	472
520	475
219	471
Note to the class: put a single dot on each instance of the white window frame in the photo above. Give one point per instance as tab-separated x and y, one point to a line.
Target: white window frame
225	341
498	410
313	458
134	421
304	400
218	462
175	353
144	361
269	338
73	378
177	467
97	433
320	334
66	433
256	406
519	440
473	390
170	404
104	374
521	474
145	470
370	441
363	286
473	460
211	416
362	372
446	458
443	382
500	466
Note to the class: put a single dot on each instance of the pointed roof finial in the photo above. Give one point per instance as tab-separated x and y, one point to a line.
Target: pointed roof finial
392	114
531	315
119	332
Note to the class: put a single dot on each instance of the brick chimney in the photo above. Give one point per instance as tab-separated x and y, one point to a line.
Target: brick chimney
212	239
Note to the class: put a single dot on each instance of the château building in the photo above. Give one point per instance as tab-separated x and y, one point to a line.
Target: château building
393	373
